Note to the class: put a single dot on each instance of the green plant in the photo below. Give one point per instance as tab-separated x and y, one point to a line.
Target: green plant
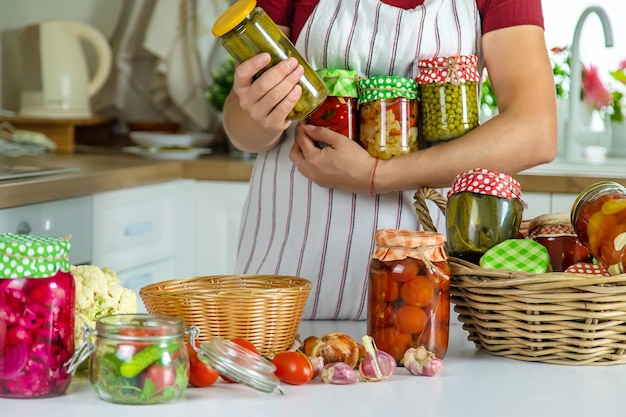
222	84
618	104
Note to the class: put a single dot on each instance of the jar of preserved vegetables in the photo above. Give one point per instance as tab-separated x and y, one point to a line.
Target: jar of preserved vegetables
409	292
246	30
143	359
37	296
449	96
388	116
339	111
484	208
556	233
599	219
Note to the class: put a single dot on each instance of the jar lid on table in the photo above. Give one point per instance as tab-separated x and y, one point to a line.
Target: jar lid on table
26	256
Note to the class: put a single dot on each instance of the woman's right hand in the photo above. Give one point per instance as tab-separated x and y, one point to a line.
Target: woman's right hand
269	98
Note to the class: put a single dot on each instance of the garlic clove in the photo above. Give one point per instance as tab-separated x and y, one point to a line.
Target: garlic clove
419	361
338	373
376	364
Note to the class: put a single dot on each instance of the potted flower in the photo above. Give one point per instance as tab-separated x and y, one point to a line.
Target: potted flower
618	110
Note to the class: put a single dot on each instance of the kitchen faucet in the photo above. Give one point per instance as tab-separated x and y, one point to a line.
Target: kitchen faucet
573	148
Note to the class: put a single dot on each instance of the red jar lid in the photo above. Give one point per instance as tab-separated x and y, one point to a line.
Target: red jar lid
553	225
443	69
484	181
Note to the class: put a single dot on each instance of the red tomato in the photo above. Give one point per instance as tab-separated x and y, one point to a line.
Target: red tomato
293	367
161	376
200	374
245	344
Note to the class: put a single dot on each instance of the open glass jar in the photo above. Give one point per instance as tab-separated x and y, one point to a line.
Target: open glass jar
37	295
143	359
409	292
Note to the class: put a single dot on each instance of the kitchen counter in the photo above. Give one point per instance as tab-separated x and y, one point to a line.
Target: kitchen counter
473	383
110	170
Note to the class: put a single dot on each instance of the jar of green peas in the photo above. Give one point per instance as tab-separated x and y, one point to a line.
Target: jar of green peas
448	88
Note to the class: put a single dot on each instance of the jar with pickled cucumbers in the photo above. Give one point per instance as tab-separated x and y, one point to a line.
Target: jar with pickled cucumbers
409	292
388	116
37	295
448	89
599	219
245	30
339	111
484	209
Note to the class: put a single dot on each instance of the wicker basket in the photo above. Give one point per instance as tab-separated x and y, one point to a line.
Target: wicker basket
265	309
559	318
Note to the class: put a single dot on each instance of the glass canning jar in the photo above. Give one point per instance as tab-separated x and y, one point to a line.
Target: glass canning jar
339	111
37	295
556	233
484	208
599	219
246	30
388	116
409	292
449	96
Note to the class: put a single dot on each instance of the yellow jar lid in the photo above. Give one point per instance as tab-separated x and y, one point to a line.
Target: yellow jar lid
234	15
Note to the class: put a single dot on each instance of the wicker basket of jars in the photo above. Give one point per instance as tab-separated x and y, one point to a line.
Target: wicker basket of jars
264	309
557	317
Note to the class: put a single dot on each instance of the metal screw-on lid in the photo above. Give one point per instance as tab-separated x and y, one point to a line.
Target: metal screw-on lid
234	15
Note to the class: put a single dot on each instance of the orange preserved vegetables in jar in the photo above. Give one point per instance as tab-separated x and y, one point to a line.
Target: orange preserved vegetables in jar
599	218
409	292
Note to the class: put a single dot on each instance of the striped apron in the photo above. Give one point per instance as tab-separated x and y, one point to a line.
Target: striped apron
290	225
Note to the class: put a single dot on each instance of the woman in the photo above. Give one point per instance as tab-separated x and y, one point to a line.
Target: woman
313	212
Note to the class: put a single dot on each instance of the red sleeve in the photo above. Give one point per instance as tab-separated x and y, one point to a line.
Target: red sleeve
290	13
498	14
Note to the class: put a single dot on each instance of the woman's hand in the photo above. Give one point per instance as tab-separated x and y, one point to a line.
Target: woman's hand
342	163
256	110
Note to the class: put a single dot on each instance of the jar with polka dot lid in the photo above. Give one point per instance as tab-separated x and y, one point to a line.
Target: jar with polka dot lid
37	296
448	88
484	208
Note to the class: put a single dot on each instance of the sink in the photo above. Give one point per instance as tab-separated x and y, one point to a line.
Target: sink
10	172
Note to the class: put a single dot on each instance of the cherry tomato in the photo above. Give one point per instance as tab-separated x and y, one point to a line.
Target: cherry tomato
161	376
293	367
245	344
200	374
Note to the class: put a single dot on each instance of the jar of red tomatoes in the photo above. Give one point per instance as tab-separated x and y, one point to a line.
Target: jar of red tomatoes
555	233
339	110
449	96
388	116
37	296
599	219
409	292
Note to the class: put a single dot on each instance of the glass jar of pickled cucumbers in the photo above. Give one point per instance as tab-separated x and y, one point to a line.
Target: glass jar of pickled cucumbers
409	292
339	111
388	116
599	218
449	96
246	30
484	208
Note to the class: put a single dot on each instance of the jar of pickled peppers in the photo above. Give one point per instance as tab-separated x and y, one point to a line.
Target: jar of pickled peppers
388	116
339	112
448	88
409	292
37	295
599	219
246	30
556	233
484	208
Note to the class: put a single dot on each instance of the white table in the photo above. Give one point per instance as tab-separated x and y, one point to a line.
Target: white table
472	384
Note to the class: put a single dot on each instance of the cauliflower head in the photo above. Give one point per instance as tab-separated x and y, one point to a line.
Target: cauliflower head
98	293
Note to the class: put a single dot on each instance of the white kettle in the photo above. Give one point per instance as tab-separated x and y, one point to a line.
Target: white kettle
56	81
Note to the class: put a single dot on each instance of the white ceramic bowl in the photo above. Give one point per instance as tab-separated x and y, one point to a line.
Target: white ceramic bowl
162	140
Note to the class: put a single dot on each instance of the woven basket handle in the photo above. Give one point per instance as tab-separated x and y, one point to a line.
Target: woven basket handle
423	194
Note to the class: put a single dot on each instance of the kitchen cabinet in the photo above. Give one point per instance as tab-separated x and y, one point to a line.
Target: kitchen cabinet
144	233
219	207
543	203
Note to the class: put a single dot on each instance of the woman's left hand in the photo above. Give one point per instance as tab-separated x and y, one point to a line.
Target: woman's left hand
342	163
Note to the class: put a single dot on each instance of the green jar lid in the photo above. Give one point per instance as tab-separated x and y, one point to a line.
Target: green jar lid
339	82
524	255
386	87
25	256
